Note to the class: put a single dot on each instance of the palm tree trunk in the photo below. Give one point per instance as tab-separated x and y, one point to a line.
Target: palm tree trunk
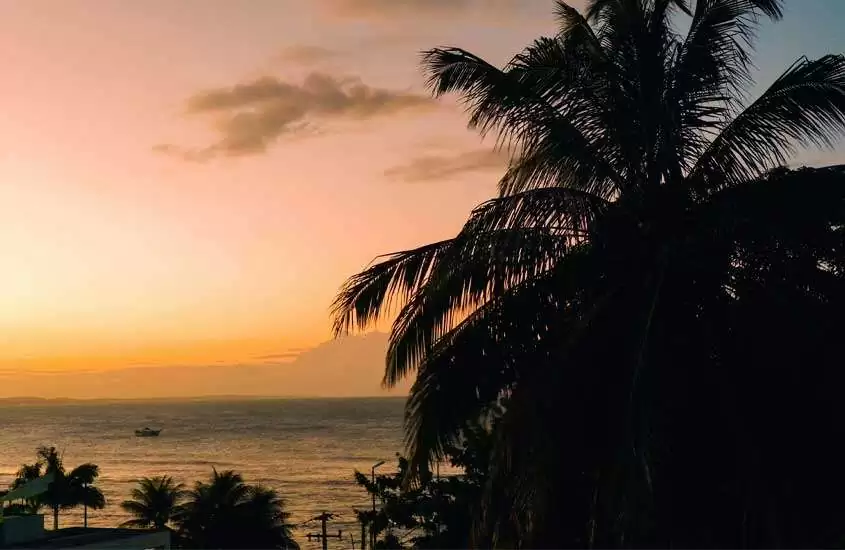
55	518
84	506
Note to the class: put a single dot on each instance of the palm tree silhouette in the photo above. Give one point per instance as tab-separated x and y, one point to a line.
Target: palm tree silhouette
154	503
68	489
225	512
643	273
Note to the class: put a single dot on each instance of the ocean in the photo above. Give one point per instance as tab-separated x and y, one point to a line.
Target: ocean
306	449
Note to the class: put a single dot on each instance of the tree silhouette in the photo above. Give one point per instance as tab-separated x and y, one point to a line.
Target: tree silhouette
435	511
657	303
154	503
225	512
68	489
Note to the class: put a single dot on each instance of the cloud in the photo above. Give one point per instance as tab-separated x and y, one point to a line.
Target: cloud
12	372
439	167
288	355
346	367
249	117
306	55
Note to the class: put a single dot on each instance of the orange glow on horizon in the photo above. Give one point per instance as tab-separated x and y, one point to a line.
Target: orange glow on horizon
318	150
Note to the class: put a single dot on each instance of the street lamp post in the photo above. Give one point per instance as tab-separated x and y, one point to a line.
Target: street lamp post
373	519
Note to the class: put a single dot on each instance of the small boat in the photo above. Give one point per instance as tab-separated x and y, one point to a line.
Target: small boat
146	432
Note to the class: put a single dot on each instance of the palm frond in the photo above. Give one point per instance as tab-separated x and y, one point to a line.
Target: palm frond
572	74
141	494
50	458
618	24
490	263
710	74
563	211
804	106
770	8
633	37
548	162
156	501
463	374
137	508
506	241
472	366
264	503
568	17
515	102
90	496
596	9
84	473
368	295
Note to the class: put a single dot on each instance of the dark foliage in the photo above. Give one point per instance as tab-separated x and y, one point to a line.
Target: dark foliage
155	502
435	511
225	512
656	298
68	489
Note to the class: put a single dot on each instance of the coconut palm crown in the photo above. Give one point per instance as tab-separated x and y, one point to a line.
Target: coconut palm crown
68	489
154	503
225	512
651	295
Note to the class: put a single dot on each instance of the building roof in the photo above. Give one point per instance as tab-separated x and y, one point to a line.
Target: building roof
79	536
29	489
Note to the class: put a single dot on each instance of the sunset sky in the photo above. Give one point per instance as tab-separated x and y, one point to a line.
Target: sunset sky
188	182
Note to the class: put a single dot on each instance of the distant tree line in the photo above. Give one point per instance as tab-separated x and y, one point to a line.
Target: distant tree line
222	512
226	512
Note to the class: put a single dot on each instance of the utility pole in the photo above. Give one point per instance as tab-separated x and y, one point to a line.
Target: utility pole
373	519
323	535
